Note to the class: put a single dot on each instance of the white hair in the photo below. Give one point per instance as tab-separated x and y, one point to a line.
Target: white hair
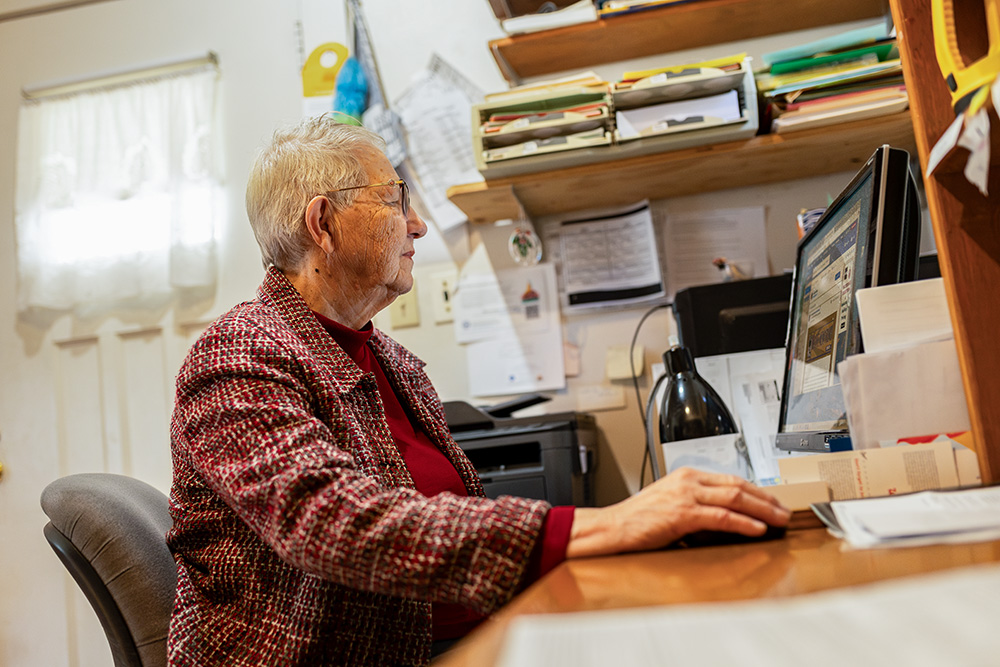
309	158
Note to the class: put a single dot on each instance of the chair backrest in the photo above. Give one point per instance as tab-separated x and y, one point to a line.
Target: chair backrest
109	531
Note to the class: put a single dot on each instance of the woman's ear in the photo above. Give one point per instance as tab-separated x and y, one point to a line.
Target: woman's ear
319	214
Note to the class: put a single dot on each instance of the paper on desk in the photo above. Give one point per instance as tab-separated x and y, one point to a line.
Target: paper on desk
749	383
692	240
937	619
876	472
898	315
921	518
435	112
903	392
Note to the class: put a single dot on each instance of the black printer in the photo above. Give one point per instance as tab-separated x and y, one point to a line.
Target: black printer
548	457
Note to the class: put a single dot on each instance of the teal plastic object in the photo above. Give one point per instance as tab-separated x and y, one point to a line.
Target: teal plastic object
351	92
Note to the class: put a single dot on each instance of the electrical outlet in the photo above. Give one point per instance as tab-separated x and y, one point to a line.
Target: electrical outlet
442	291
404	311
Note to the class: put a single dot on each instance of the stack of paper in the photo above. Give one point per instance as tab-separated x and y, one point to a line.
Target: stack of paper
583	11
928	517
682	98
851	76
615	7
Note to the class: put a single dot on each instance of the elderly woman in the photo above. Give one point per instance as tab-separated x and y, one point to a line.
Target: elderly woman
322	512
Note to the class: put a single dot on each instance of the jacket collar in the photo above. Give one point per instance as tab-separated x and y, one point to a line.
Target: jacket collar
277	292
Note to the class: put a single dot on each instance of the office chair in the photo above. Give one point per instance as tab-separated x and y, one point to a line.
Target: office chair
109	531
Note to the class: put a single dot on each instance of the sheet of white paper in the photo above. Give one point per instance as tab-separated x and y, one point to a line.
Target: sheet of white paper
937	619
756	402
967	515
320	22
692	240
479	307
583	11
904	314
904	392
609	257
945	144
927	513
717	453
526	353
976	138
435	112
654	118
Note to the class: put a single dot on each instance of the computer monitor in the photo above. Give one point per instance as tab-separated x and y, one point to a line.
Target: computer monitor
869	236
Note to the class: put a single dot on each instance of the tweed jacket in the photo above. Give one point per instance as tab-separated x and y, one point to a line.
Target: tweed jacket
299	536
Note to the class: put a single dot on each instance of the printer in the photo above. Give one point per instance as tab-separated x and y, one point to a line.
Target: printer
548	457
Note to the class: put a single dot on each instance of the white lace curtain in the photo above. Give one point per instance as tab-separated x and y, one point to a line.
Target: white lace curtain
118	194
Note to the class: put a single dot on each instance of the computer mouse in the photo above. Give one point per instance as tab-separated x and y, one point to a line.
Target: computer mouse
705	538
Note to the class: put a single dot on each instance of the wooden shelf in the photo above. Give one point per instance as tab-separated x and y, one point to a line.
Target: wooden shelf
765	159
685	26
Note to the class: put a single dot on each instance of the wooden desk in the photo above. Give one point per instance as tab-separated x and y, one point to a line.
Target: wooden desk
805	561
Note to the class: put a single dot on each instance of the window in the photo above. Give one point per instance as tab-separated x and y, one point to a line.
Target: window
118	192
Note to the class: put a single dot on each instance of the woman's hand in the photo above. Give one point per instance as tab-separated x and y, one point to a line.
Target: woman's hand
684	501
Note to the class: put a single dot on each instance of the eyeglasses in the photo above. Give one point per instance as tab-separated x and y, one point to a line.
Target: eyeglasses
404	192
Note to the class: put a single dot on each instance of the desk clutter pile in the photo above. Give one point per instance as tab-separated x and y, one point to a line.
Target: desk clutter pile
583	119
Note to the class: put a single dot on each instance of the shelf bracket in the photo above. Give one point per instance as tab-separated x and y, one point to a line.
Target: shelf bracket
504	66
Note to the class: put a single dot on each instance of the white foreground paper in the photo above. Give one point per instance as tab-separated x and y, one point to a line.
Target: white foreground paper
931	620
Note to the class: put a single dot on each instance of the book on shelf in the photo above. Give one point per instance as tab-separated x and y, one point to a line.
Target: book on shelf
583	11
579	83
852	76
609	8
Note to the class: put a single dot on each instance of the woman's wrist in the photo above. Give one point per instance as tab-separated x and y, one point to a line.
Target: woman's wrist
594	533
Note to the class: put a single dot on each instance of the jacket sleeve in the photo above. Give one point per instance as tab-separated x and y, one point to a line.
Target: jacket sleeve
246	417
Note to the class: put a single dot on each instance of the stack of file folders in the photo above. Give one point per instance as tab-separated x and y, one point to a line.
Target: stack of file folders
543	123
683	106
851	76
587	120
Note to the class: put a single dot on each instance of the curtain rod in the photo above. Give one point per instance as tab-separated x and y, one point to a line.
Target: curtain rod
120	78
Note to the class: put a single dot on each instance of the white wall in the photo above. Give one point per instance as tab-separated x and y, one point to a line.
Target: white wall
259	55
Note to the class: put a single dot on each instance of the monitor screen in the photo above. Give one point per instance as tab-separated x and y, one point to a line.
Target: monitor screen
823	330
868	236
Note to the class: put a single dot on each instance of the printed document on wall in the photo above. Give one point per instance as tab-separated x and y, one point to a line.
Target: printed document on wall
435	112
609	258
523	351
693	240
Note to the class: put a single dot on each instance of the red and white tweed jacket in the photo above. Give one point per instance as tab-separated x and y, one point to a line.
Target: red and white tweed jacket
298	534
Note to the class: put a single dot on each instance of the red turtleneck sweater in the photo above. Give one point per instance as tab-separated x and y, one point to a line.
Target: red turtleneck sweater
433	473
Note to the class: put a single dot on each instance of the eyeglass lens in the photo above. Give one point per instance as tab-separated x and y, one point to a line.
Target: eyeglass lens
404	197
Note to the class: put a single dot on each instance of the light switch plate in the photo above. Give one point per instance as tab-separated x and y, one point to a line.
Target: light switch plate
404	311
442	294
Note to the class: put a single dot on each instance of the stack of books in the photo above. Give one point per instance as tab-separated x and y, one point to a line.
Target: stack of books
851	76
683	98
608	8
